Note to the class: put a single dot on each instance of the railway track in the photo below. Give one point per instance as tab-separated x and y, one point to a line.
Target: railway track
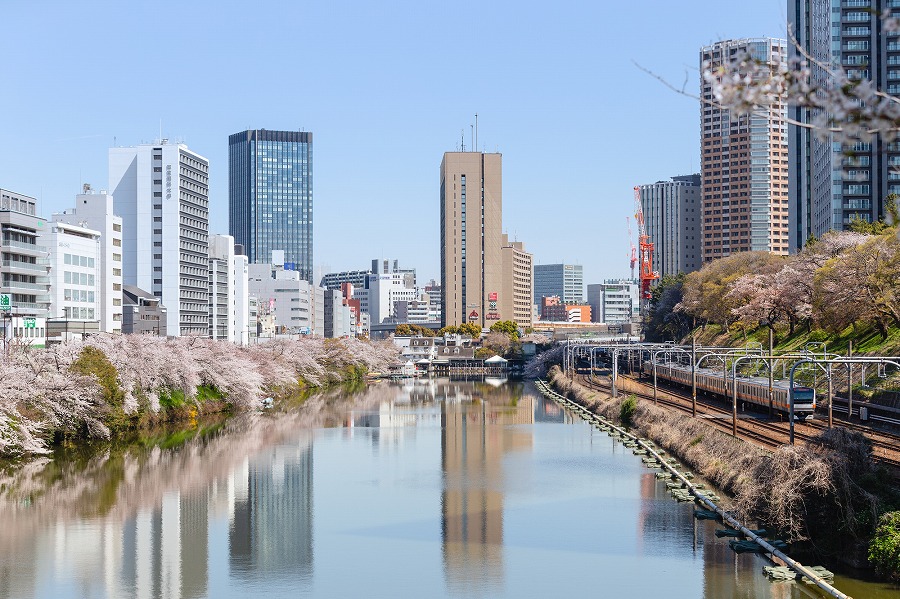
766	433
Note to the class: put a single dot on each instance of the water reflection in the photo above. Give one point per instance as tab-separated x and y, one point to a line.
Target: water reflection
474	441
270	533
421	488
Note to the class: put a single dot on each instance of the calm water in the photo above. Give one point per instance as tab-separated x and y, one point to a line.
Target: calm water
435	489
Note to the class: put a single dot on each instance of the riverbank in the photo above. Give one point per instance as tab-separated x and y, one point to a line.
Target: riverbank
824	497
111	385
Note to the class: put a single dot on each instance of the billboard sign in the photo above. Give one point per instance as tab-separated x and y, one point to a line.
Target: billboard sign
5	302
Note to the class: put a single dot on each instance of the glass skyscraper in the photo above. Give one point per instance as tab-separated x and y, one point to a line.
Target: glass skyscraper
270	196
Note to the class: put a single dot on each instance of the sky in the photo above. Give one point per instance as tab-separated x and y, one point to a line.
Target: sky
386	88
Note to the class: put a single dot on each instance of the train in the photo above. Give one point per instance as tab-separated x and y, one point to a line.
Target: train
750	390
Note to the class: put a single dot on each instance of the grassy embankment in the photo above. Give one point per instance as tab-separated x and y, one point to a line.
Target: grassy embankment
825	497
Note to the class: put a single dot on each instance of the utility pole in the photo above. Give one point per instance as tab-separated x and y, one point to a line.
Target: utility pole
850	382
694	375
830	396
771	374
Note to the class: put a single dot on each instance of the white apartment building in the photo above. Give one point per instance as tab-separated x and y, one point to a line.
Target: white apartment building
95	211
161	191
75	271
615	301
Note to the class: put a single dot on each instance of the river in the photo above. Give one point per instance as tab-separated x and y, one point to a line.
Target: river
426	489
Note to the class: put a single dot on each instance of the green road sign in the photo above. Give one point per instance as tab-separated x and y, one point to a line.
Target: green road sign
5	302
29	323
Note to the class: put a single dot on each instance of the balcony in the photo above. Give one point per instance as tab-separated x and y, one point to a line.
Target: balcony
23	285
27	266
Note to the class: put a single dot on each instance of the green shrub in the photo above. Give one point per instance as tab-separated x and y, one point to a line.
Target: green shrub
207	393
171	398
92	361
627	409
818	335
884	550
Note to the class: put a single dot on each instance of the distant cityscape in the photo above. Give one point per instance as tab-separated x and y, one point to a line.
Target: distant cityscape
138	256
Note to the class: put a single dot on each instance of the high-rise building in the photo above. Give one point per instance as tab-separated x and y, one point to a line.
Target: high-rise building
270	196
471	227
744	163
833	183
563	280
95	211
673	222
24	271
514	302
161	191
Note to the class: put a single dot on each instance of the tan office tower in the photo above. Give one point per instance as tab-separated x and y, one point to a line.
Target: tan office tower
744	163
518	285
471	259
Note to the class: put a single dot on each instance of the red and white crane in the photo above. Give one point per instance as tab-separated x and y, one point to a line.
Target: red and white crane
647	274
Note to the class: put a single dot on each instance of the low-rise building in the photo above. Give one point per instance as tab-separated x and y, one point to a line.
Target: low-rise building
24	269
95	211
142	312
615	301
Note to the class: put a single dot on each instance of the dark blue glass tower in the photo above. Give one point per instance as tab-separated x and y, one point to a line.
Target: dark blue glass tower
270	196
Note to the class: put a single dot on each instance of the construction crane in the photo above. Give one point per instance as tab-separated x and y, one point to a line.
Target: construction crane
647	274
633	248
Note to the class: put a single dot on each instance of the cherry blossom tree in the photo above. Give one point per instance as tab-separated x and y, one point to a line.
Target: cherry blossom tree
41	394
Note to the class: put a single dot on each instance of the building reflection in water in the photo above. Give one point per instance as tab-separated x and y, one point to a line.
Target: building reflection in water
271	527
475	437
165	549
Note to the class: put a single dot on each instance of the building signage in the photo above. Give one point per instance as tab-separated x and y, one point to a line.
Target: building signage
492	316
492	296
29	323
168	181
5	302
492	306
473	315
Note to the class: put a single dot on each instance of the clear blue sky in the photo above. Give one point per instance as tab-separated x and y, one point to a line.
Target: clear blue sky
386	88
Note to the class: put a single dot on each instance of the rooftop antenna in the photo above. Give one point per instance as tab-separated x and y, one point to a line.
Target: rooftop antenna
475	147
462	139
472	137
160	130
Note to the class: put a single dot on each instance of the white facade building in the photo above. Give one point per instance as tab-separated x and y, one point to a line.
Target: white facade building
221	288
289	298
75	271
240	272
161	191
95	211
615	301
384	290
